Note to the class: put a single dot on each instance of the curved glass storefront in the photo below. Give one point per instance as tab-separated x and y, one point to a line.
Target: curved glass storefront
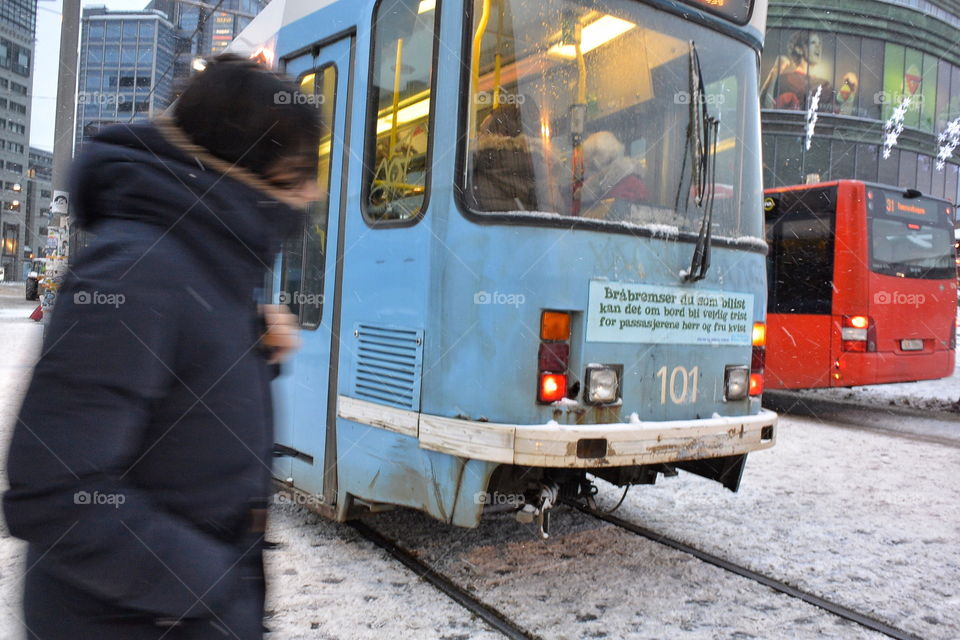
861	80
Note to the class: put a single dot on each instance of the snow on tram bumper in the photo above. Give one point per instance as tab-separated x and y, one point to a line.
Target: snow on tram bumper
573	446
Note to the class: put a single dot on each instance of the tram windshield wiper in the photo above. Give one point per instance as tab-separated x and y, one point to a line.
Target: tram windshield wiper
702	131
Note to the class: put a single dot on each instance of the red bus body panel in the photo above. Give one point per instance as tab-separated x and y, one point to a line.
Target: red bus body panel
804	351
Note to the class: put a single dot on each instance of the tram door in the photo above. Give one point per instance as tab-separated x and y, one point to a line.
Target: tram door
307	283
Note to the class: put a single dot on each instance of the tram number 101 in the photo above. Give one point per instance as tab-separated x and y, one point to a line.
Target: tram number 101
681	384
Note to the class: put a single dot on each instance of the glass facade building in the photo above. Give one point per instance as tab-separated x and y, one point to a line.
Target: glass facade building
125	68
865	58
17	31
202	32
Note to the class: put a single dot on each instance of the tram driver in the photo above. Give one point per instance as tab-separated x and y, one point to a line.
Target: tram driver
612	180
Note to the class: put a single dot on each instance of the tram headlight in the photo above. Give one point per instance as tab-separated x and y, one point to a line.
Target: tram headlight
603	384
736	382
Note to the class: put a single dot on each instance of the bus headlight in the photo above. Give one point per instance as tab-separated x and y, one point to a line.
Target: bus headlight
736	382
603	384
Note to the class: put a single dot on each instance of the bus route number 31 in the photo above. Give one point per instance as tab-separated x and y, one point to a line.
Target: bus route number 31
680	385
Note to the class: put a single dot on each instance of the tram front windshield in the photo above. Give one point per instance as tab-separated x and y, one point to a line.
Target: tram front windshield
583	109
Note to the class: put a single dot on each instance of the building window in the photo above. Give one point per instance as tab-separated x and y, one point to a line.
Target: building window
11	237
129	31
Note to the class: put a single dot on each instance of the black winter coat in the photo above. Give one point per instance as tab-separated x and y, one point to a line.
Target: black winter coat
140	463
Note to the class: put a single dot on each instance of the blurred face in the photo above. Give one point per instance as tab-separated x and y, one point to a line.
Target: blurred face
814	49
297	178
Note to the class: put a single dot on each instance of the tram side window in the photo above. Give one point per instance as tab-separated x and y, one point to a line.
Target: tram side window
304	256
800	276
400	110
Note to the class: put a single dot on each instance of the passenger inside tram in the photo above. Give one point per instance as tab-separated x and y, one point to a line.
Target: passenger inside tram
510	164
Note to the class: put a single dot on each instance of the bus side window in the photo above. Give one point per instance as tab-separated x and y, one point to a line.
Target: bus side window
400	110
801	256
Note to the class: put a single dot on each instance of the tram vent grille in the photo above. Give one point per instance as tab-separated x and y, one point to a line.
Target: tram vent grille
389	365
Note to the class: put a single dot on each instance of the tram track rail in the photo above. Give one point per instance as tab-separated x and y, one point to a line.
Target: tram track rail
464	598
830	606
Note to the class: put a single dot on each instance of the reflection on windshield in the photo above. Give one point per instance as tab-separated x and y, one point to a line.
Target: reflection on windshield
911	250
582	109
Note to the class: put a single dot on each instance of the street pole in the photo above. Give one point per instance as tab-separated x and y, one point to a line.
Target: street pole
63	147
66	95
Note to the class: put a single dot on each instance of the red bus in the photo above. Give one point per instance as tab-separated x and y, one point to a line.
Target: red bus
862	286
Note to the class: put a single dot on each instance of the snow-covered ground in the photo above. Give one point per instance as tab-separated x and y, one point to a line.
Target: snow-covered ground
932	395
869	520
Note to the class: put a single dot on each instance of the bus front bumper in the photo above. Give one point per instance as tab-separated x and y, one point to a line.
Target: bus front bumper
582	446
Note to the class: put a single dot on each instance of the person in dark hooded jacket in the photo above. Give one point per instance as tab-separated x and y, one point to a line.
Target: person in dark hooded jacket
140	463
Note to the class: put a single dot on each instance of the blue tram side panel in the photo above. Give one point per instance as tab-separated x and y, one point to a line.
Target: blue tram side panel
424	377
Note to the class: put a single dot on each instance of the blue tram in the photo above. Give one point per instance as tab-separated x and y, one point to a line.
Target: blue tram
541	256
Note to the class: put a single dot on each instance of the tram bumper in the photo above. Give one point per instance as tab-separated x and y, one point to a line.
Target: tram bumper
582	446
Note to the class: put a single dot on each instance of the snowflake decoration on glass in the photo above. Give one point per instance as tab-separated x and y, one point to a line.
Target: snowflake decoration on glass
948	140
812	116
893	127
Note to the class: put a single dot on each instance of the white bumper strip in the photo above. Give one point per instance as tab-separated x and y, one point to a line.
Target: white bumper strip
556	445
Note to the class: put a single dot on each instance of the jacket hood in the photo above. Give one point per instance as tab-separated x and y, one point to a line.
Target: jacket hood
151	172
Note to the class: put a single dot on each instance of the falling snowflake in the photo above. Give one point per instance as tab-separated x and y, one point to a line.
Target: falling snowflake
893	127
948	140
812	116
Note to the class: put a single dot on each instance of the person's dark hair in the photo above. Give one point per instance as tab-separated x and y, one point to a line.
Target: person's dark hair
247	115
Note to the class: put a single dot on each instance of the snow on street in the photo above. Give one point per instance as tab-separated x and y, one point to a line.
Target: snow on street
863	518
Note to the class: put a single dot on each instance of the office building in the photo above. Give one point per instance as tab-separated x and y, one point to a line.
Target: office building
125	68
39	192
203	32
17	30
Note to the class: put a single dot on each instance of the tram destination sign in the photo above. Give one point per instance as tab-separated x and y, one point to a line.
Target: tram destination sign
626	312
736	10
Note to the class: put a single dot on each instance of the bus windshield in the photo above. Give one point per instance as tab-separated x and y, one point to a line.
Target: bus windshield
582	109
910	238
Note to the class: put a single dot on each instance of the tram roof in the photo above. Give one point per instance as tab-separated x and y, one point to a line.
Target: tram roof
262	31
